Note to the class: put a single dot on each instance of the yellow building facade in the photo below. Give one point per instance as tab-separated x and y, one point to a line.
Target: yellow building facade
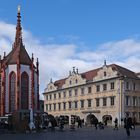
105	93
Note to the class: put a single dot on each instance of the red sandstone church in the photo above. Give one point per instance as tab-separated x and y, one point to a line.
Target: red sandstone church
19	77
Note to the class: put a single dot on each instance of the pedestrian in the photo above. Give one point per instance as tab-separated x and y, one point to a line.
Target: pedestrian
133	122
128	124
105	122
116	124
79	123
95	123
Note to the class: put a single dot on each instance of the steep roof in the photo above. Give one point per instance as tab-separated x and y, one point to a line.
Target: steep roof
89	75
18	52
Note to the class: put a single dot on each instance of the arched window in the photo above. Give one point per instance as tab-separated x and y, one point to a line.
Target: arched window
12	92
24	90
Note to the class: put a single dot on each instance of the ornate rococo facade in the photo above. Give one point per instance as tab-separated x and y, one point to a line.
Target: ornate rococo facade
19	77
105	93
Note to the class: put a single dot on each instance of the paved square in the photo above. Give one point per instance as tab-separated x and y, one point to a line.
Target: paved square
78	134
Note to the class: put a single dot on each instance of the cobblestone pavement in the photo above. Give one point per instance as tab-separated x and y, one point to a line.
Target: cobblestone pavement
78	134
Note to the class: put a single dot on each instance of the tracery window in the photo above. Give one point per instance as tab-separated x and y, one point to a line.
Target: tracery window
24	90
12	94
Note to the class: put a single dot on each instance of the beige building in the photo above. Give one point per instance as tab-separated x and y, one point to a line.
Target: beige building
105	93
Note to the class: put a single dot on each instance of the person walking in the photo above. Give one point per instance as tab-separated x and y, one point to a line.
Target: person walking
128	124
79	123
116	124
133	122
95	123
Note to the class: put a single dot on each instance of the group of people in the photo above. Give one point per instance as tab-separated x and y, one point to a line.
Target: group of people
129	124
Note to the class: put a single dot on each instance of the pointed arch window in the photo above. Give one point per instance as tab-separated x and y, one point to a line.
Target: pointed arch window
12	92
24	90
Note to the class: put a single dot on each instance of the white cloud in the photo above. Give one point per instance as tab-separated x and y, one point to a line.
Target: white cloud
56	60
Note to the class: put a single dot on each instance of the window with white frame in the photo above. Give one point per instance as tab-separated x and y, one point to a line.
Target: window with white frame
104	101
76	92
89	102
82	103
89	89
97	102
82	91
70	93
112	101
64	105
75	104
59	106
98	88
70	105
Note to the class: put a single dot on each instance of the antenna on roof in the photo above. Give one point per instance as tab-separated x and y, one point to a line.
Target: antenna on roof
51	80
104	62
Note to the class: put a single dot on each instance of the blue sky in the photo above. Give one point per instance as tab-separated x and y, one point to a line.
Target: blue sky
90	21
79	33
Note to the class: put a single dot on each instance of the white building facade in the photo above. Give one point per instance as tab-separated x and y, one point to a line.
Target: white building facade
105	93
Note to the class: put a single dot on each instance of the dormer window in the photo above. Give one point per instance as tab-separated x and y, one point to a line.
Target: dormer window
76	81
70	82
50	87
105	73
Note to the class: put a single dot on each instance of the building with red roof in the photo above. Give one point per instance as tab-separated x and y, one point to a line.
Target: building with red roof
104	93
19	77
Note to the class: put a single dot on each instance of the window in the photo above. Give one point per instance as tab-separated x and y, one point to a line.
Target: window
104	87
97	102
82	91
82	103
64	105
70	94
112	85
112	100
46	97
50	97
75	104
134	101
98	88
50	107
127	98
134	86
69	105
70	82
89	89
59	95
64	94
89	102
104	73
104	101
54	106
76	91
46	107
76	81
127	85
25	90
55	96
59	106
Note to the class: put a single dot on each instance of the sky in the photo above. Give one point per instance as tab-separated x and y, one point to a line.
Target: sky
80	33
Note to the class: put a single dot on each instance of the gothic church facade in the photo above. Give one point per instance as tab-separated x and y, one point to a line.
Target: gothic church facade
19	77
